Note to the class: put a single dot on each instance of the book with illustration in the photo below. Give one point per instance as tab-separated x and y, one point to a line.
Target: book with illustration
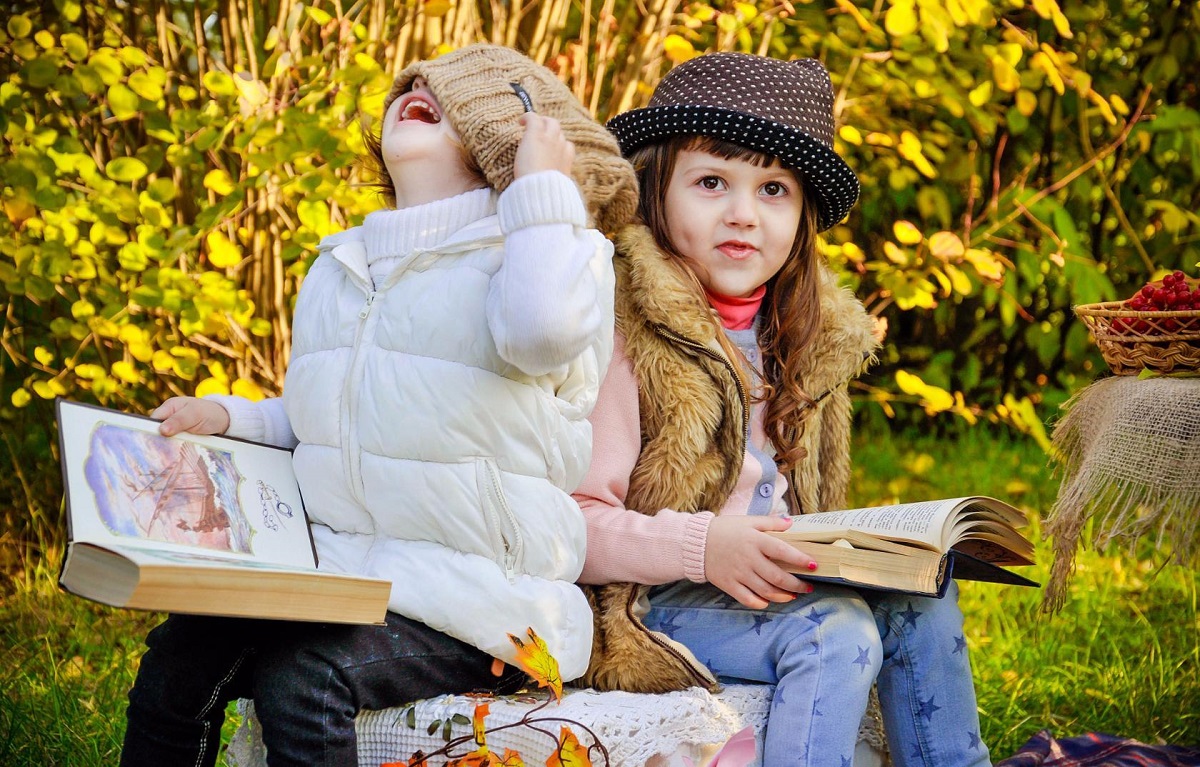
206	525
915	547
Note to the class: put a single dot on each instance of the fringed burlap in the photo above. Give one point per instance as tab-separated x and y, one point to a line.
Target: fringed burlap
1130	455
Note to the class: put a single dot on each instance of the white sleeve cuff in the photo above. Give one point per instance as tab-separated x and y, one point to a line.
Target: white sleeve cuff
265	421
548	197
245	420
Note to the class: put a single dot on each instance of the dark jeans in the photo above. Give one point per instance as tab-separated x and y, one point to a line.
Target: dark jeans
308	682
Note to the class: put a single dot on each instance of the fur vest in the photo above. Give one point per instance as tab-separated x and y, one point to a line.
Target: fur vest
694	416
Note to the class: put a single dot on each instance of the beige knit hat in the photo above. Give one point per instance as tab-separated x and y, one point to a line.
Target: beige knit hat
473	85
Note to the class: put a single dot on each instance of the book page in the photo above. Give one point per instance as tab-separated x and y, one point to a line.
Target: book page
921	523
129	486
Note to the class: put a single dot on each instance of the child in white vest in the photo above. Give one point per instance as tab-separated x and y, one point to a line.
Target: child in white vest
445	357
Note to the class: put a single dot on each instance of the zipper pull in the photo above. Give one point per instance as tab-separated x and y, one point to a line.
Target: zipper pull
510	565
367	307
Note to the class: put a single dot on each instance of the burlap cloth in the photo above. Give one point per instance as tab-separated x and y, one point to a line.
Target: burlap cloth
1129	451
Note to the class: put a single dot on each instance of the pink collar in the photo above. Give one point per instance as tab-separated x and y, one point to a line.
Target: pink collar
737	313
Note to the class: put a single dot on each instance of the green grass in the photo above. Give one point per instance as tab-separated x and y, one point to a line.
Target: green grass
1123	656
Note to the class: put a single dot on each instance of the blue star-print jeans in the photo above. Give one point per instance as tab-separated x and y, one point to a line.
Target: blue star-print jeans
822	651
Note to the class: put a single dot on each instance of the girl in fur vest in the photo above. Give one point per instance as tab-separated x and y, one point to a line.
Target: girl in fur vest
725	410
445	357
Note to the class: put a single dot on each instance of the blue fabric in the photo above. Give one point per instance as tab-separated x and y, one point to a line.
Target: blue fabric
823	651
1096	749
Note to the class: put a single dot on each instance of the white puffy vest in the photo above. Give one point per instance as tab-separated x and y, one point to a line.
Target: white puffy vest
427	459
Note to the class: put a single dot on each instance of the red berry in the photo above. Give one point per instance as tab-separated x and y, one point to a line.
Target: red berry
1178	275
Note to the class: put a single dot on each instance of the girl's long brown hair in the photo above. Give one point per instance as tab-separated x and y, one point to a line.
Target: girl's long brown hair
791	308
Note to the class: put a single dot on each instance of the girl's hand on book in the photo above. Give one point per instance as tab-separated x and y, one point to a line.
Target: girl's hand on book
191	414
543	147
740	559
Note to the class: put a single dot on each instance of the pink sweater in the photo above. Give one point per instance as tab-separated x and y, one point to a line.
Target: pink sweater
626	545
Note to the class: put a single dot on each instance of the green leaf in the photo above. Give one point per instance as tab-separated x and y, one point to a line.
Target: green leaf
19	26
125	169
40	72
145	86
123	102
75	46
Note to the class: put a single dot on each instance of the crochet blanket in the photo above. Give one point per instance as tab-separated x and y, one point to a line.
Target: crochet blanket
635	729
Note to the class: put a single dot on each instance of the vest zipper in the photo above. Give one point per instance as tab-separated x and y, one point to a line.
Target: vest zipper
513	548
699	347
351	451
705	677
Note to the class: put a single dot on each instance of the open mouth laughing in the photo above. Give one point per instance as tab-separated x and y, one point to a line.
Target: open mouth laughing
414	106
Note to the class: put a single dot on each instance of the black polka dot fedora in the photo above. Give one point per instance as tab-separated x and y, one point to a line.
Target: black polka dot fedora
779	108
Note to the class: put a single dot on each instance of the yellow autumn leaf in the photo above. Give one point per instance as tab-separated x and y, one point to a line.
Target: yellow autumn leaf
221	252
942	280
511	759
1044	62
1026	102
747	11
1118	104
702	12
894	253
1102	104
211	386
935	26
958	280
678	49
89	371
933	398
946	245
901	19
985	262
244	387
43	355
479	725
980	94
874	138
906	232
125	371
1005	74
162	361
218	181
534	658
1049	9
910	149
21	398
570	752
850	135
437	8
253	92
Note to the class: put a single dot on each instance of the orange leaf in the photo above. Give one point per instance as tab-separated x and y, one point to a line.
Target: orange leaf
570	752
480	758
511	759
394	764
481	712
535	659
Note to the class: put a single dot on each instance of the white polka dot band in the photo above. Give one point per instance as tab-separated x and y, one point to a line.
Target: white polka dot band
780	108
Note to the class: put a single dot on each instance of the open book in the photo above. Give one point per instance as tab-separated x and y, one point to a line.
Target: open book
193	524
914	547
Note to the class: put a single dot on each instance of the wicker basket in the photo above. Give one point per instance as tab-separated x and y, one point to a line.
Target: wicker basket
1163	342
